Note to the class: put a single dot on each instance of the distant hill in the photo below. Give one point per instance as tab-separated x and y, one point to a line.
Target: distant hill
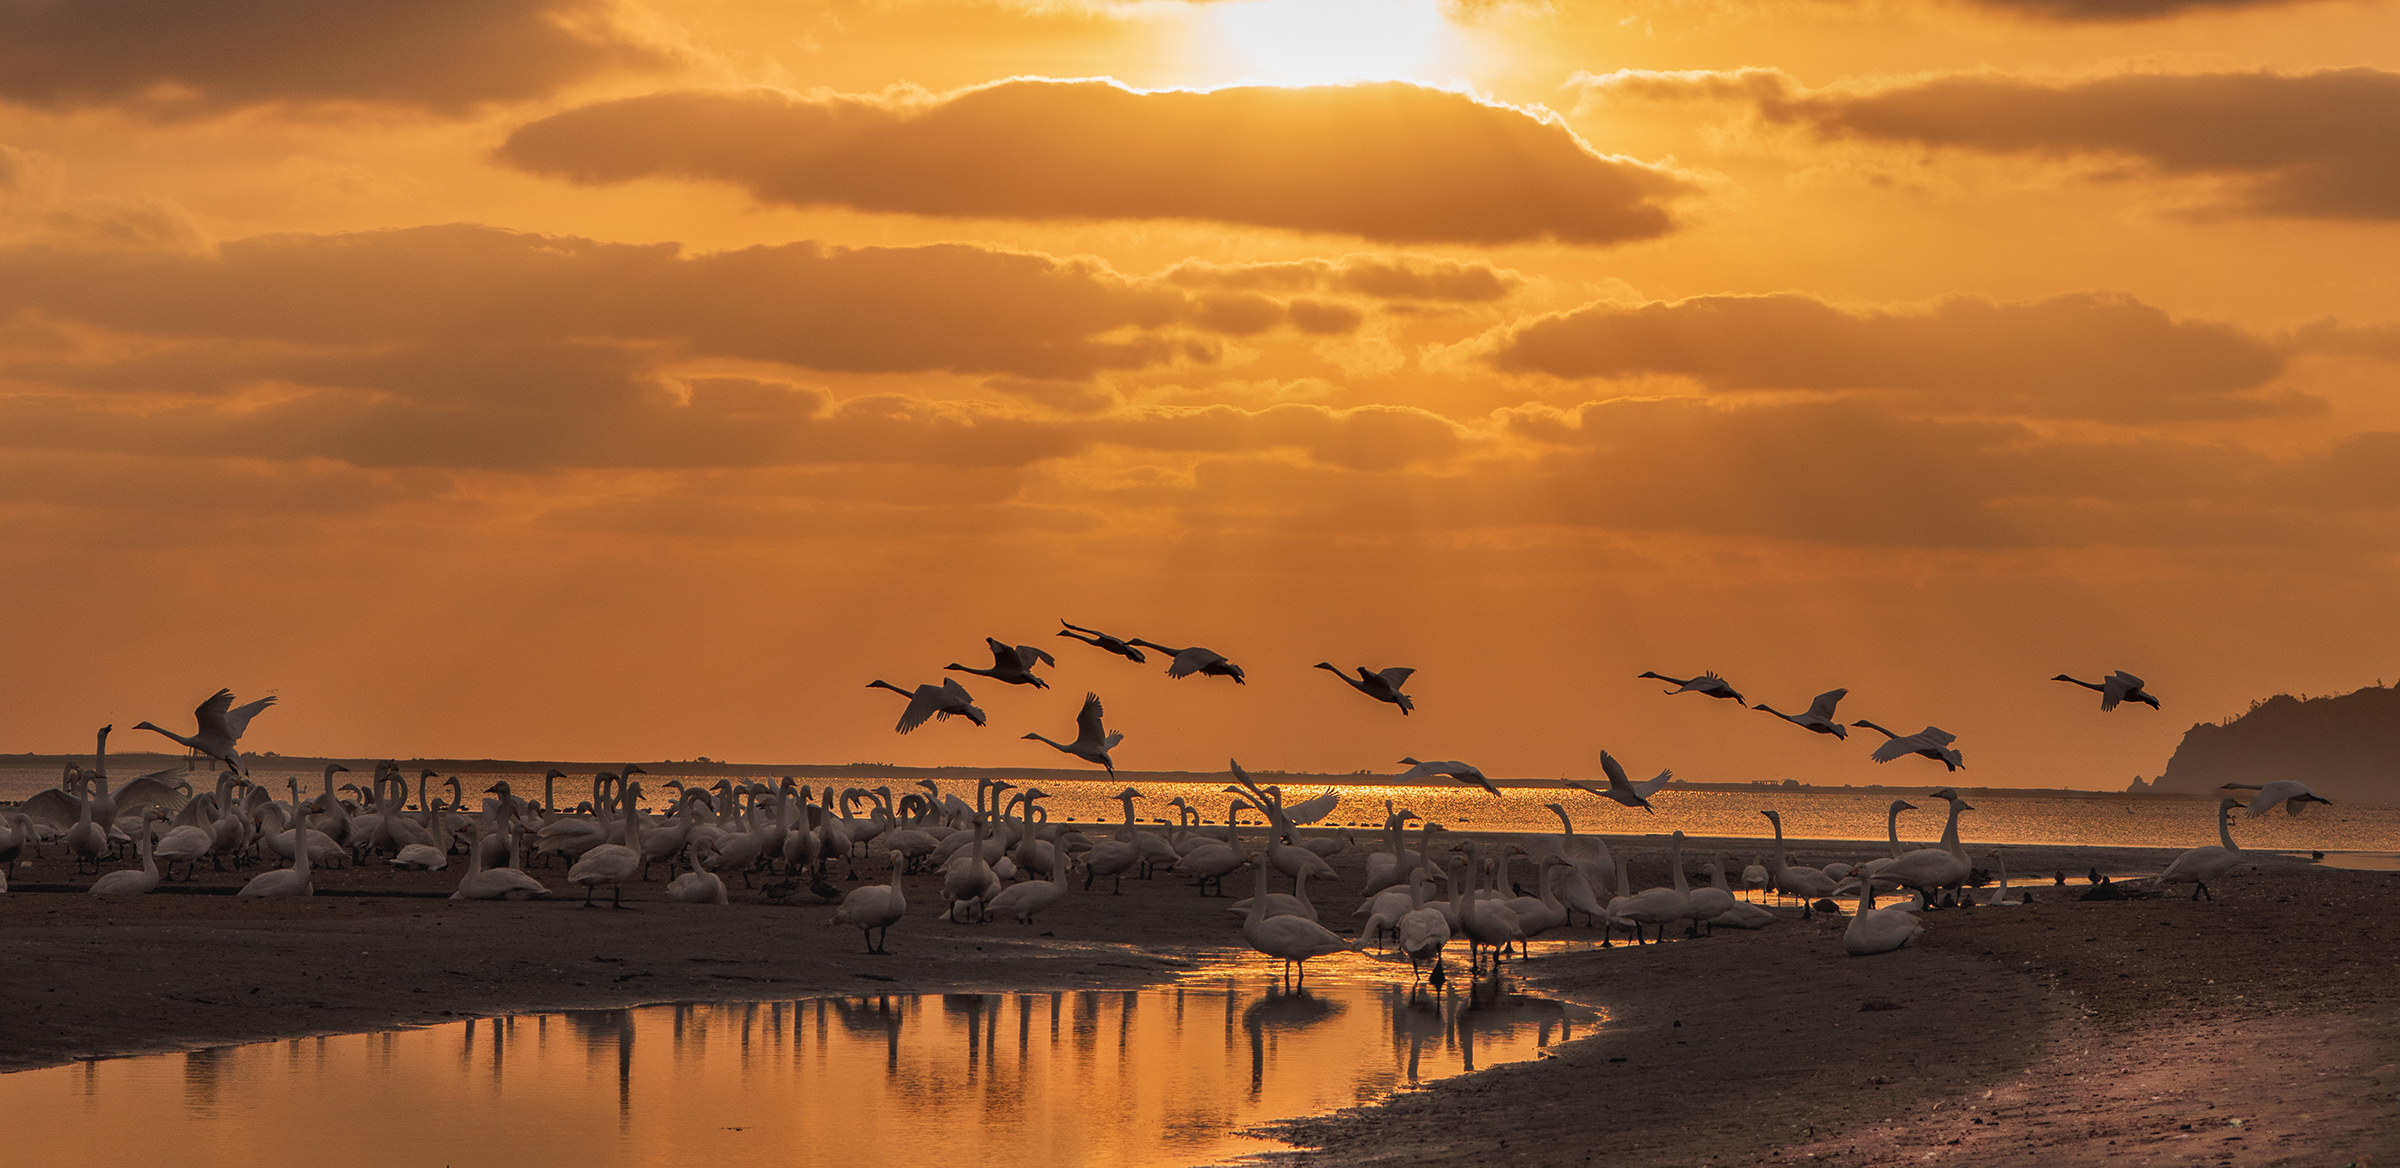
2345	747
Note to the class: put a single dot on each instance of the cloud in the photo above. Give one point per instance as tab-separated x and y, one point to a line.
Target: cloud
2082	356
188	58
1387	161
1384	277
2322	144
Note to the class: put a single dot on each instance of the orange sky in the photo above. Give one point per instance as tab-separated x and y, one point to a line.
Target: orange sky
558	378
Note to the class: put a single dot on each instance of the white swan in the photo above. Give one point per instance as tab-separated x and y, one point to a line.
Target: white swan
1707	684
1212	862
1809	884
1448	769
698	886
933	701
1279	904
292	881
1929	870
1383	685
1819	716
131	883
221	727
613	864
1878	930
2200	865
1023	900
1293	939
1205	662
1933	742
509	883
1423	931
2291	793
1743	914
1487	921
1891	832
873	908
1660	907
2116	687
1999	897
1011	663
1093	741
1623	790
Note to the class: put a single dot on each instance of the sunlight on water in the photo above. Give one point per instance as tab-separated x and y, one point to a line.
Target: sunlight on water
1160	1076
2145	821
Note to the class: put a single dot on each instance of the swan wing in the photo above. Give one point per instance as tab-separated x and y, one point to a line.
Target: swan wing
1028	654
1823	706
921	705
238	720
1087	720
54	807
1615	771
1644	789
149	791
1312	810
1192	661
1935	736
211	713
1396	676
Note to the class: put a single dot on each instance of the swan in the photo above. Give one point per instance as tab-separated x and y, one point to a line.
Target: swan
1537	915
16	835
1808	884
1212	862
1487	921
1878	930
1309	811
698	886
1383	910
1621	789
221	726
1714	900
1819	717
1743	914
1205	662
1023	900
969	878
509	883
1660	907
1587	866
1012	664
292	881
932	701
1999	897
2200	865
1293	939
613	864
1450	769
1092	740
1389	869
131	883
2291	793
86	841
2116	687
1423	931
1933	742
1382	685
1116	856
1708	684
1891	831
1930	870
872	907
427	856
1116	645
1293	904
186	843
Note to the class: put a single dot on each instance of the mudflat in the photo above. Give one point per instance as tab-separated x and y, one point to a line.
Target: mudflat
2259	1028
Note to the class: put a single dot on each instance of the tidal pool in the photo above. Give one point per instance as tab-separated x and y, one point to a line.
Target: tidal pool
1161	1076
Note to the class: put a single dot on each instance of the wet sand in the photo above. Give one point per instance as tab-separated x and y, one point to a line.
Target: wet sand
2058	1033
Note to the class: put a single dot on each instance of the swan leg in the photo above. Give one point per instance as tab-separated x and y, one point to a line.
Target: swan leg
616	895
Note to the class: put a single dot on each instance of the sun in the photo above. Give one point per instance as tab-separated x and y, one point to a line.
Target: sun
1322	42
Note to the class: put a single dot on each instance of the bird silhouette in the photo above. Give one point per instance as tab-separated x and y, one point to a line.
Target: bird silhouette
1011	663
1381	685
2116	687
1933	742
1095	637
1092	740
932	701
1207	662
1819	717
1708	684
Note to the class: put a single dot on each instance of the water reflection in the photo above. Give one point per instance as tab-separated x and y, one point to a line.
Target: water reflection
857	1081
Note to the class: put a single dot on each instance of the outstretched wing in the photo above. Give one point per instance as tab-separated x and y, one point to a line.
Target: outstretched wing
211	713
1312	810
921	705
1614	770
956	692
1087	720
151	790
1419	770
54	807
1895	748
238	720
1192	661
1396	676
1028	654
1643	789
1823	706
1936	736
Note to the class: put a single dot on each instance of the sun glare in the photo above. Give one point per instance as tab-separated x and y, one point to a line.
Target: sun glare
1318	42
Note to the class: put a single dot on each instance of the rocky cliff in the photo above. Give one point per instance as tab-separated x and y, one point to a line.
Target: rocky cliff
2344	748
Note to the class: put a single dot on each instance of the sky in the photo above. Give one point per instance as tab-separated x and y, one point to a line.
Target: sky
583	380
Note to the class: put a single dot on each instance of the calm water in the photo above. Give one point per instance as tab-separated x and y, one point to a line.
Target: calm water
2097	821
1162	1076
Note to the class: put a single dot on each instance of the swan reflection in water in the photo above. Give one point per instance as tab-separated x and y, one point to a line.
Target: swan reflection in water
1179	1066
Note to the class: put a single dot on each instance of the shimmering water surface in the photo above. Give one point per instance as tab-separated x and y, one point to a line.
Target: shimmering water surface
2150	821
1161	1076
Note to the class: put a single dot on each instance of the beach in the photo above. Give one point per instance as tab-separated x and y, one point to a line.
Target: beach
2128	1032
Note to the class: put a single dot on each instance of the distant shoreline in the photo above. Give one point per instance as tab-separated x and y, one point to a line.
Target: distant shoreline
130	763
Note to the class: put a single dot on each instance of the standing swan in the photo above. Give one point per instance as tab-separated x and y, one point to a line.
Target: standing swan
870	908
292	881
1383	685
1294	939
130	883
613	864
1806	883
1929	870
2201	865
1092	740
